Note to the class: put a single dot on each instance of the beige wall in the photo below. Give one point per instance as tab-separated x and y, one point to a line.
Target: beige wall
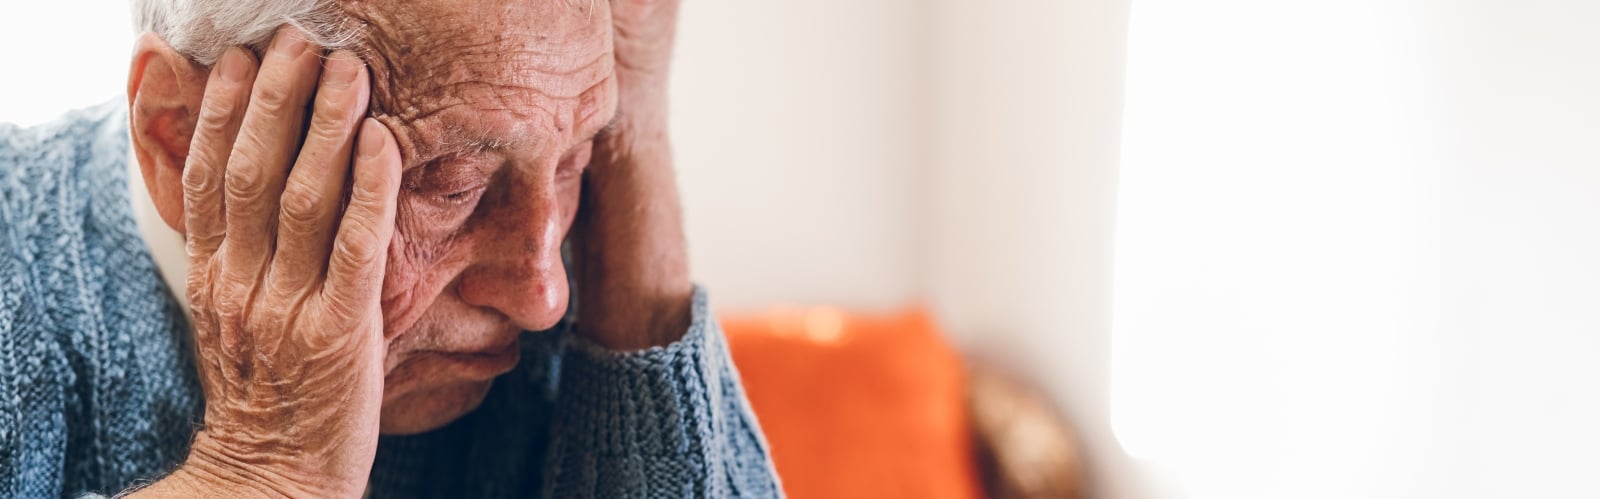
956	153
1023	178
797	127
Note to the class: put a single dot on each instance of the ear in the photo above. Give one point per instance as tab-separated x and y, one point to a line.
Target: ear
164	93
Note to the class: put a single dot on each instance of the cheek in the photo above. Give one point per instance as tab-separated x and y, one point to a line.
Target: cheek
400	271
413	279
399	279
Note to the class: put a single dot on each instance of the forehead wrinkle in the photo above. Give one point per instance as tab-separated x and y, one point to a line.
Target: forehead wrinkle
522	47
514	74
507	66
532	64
464	129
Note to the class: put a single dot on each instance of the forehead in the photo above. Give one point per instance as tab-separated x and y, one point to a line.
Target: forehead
452	74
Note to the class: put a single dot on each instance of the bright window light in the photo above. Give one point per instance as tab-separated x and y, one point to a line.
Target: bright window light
62	55
1356	250
1270	282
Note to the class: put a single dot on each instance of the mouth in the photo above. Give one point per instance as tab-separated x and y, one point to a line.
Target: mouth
473	365
490	363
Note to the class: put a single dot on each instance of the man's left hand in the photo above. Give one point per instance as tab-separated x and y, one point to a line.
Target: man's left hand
632	262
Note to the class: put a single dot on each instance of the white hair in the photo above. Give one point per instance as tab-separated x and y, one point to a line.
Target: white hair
203	29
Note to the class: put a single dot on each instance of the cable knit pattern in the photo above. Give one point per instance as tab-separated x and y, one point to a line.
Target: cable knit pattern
665	422
98	390
95	392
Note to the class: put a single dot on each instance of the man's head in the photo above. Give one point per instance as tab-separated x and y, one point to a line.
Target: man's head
494	105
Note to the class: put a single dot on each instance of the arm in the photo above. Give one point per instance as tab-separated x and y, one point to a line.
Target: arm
649	401
669	420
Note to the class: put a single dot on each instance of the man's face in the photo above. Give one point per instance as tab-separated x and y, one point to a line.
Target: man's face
495	106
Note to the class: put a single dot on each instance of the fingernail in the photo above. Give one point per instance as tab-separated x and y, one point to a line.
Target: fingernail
289	41
341	69
371	139
232	66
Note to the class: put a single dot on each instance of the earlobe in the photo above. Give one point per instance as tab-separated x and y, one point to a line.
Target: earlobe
164	93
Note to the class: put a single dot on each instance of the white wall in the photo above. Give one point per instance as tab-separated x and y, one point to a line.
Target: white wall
1356	249
797	127
1518	119
1020	196
61	55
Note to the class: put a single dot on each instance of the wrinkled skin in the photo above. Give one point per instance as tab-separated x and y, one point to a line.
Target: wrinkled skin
495	106
315	299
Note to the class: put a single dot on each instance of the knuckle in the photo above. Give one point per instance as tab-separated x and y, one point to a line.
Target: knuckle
287	290
342	308
272	100
337	105
215	119
265	324
199	246
205	329
369	197
198	291
229	310
334	115
357	247
199	177
327	130
245	182
229	297
300	206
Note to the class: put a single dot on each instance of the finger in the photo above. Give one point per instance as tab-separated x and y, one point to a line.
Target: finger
221	111
268	138
309	208
360	250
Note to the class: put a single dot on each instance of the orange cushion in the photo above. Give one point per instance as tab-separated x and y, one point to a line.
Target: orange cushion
857	405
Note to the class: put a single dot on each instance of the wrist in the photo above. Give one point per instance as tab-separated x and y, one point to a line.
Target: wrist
215	469
636	291
194	480
198	479
638	321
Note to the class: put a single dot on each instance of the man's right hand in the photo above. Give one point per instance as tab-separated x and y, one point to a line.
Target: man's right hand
287	240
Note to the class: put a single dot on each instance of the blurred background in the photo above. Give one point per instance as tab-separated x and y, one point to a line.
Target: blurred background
1237	248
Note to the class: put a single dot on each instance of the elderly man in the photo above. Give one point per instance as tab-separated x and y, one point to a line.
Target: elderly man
365	216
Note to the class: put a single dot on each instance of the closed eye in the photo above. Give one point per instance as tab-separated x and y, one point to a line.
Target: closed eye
462	197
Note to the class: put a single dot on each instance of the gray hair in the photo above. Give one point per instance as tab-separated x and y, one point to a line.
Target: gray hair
203	29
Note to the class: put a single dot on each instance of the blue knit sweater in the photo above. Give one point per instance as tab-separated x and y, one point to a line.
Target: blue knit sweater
98	390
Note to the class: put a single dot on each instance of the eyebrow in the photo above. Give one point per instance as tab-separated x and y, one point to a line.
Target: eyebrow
460	140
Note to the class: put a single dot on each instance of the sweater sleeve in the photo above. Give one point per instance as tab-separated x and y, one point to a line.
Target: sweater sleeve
664	422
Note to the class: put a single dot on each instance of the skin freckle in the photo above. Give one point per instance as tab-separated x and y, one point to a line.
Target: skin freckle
471	102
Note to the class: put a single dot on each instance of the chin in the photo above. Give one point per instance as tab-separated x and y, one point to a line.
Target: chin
428	409
430	389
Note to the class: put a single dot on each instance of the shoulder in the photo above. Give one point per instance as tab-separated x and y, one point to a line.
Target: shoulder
93	362
59	182
42	168
52	180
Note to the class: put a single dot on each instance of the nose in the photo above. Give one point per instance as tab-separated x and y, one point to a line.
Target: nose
517	269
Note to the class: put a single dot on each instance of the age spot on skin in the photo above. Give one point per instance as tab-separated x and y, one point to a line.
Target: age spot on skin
487	101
